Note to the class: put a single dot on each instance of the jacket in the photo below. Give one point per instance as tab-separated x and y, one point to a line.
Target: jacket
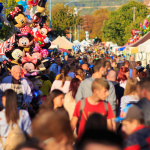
6	84
138	140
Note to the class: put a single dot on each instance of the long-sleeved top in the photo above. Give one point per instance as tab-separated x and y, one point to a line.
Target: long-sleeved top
24	124
26	90
85	90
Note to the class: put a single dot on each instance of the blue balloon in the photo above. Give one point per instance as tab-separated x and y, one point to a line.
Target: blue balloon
78	47
65	54
81	62
73	47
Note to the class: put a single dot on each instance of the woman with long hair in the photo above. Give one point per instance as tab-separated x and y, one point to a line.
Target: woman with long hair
130	94
10	115
79	73
62	83
54	100
69	100
123	76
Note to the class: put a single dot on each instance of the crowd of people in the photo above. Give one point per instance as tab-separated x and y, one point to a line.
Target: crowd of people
83	101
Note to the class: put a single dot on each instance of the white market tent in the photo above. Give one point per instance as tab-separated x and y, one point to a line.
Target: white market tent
63	42
84	43
53	46
80	44
144	47
144	52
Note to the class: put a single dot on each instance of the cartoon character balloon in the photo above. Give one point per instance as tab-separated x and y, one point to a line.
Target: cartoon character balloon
32	2
25	40
19	19
43	41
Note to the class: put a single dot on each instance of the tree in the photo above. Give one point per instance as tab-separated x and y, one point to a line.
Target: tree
6	32
82	35
100	16
114	27
133	25
94	23
63	17
88	23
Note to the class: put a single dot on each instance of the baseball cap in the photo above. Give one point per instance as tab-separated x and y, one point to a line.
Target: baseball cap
131	112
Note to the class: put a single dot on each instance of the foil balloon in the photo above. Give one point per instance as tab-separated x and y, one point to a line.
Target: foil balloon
41	6
40	39
32	2
19	19
23	3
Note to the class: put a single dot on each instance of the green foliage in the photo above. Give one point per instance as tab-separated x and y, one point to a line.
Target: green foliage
82	35
63	18
6	32
133	25
115	28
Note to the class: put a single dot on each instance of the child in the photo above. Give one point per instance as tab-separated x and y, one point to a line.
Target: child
95	103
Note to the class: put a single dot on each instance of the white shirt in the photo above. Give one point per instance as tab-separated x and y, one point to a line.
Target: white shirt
123	84
24	124
57	85
127	100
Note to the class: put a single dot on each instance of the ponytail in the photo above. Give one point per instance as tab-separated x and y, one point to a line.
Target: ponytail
63	75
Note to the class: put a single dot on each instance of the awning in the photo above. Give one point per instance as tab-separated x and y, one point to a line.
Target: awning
64	50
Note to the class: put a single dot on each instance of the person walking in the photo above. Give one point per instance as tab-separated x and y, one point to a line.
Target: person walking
10	116
19	85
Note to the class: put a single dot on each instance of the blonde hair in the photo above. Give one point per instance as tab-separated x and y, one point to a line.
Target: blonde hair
100	83
131	85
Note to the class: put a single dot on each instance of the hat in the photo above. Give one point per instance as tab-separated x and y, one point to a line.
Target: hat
132	112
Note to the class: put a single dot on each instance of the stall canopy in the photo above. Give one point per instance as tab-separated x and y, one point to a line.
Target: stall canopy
121	48
62	50
141	40
3	45
63	42
53	46
145	47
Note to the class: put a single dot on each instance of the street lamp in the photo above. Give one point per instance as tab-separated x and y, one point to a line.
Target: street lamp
50	5
64	6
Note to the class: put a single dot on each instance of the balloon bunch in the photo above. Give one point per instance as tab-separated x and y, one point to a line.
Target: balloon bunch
144	27
31	43
29	48
135	36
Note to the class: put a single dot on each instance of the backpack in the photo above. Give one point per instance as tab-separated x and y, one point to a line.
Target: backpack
81	111
15	137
